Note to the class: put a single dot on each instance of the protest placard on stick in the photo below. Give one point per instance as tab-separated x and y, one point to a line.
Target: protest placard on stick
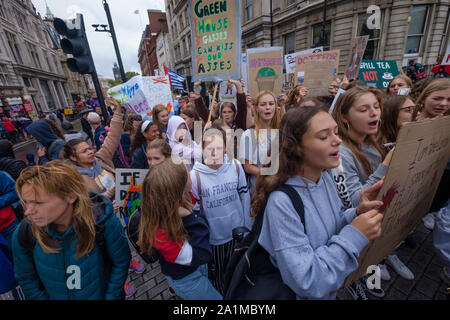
289	59
265	70
318	76
377	73
421	154
304	59
141	94
215	39
128	191
358	46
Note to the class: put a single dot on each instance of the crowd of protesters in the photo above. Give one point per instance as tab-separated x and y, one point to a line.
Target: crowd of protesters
60	211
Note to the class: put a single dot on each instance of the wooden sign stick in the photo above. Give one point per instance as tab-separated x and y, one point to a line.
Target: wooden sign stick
213	103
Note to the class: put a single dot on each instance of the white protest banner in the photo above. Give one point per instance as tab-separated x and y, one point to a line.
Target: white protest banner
227	92
140	94
128	191
420	157
289	59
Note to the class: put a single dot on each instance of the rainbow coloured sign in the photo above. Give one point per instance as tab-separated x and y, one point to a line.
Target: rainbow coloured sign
128	192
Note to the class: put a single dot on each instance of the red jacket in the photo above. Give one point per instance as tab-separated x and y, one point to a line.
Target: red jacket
8	125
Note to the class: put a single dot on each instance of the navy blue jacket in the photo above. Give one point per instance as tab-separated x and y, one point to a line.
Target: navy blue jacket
197	228
45	135
139	158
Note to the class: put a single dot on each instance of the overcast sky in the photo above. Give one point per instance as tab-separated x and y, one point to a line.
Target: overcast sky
128	26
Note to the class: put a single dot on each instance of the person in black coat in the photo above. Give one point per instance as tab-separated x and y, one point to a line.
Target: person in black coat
8	161
85	124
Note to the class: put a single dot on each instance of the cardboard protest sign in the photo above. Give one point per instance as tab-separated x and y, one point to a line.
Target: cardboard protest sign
446	60
265	70
420	157
215	39
128	191
318	76
302	60
289	59
141	94
377	73
358	46
227	92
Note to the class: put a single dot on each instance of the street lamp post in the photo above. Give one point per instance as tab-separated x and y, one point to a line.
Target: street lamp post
113	35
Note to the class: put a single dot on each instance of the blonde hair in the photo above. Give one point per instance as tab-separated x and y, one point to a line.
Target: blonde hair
63	181
167	179
436	85
343	105
275	122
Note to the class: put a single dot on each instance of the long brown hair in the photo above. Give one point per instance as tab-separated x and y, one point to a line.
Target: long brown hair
128	126
62	180
293	126
343	105
157	109
292	96
162	195
436	85
56	129
389	128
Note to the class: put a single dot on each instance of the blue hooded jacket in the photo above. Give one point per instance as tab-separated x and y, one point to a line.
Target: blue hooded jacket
97	280
313	260
45	135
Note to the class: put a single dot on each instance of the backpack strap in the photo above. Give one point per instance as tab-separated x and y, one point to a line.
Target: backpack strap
199	190
296	202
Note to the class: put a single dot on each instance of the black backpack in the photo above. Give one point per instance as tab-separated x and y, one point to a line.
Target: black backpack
28	241
133	235
250	275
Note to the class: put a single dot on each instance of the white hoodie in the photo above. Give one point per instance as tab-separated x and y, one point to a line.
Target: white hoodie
225	199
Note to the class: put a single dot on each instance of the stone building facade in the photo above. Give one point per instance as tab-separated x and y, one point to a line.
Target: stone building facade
30	69
408	29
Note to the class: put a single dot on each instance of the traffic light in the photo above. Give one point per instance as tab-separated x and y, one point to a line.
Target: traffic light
75	43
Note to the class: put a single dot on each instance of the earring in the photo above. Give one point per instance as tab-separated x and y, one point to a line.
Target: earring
347	126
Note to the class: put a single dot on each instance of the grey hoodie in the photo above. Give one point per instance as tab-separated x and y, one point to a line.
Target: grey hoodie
316	262
225	199
356	178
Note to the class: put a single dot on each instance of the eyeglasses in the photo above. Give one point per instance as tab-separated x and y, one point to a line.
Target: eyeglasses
408	108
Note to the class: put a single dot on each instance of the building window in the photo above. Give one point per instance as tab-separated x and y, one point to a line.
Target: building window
317	36
248	10
20	19
289	2
371	52
26	82
416	29
47	94
60	96
4	77
14	48
442	48
289	43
